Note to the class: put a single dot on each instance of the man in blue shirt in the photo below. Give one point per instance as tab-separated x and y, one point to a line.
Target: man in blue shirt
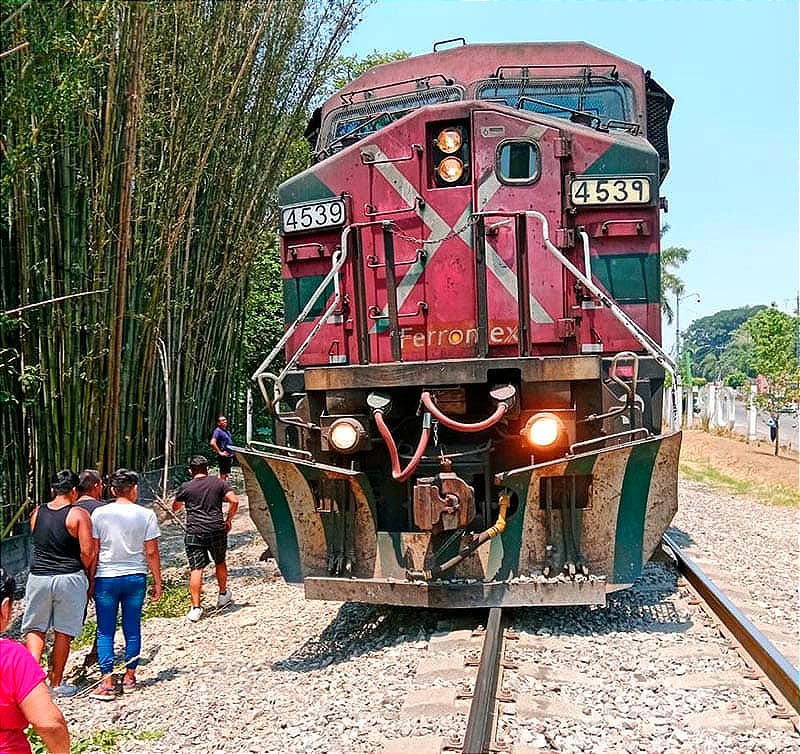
221	441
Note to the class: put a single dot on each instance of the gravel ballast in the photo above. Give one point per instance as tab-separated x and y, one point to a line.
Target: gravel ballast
276	673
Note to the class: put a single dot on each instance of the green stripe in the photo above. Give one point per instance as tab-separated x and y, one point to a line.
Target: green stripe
629	278
297	292
632	512
627	159
580	466
285	533
306	187
511	538
390	551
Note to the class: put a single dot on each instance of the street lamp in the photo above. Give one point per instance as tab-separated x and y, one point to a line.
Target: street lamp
678	299
681	420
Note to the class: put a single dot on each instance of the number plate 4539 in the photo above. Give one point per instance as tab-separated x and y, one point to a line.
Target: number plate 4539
631	189
327	213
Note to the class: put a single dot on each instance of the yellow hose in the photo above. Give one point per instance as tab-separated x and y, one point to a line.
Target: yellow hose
500	524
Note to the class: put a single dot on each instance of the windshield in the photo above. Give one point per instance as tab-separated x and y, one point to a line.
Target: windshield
350	123
605	99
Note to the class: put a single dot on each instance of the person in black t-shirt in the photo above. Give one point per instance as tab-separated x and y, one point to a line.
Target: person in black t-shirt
206	530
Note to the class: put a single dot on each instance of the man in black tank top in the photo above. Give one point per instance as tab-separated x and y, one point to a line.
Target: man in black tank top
90	490
60	579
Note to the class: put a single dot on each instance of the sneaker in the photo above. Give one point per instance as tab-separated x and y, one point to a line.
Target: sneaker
64	690
225	598
195	614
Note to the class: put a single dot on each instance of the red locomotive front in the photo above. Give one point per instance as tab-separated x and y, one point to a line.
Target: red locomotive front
470	406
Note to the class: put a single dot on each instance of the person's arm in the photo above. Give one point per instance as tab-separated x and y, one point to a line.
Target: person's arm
177	501
79	524
47	719
153	556
233	506
214	445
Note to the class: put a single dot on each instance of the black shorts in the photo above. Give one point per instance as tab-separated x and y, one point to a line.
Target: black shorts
202	548
225	463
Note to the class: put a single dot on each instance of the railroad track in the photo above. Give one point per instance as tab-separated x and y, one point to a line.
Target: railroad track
482	711
489	698
781	674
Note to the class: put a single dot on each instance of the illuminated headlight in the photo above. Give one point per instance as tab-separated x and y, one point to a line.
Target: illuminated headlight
450	169
542	430
345	434
449	140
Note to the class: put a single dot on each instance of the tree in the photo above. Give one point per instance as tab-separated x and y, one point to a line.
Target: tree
346	68
711	340
142	144
774	336
671	258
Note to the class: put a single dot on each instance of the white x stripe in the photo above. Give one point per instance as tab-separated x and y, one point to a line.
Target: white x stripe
440	229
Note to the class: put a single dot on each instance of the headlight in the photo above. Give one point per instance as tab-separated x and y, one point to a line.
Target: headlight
450	169
542	430
345	434
449	140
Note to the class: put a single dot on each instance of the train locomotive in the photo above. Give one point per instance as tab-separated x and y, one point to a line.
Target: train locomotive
467	398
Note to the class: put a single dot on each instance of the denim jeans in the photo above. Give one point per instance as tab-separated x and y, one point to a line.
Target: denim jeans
109	593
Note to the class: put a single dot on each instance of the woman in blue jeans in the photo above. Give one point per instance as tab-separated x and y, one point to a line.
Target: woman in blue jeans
126	535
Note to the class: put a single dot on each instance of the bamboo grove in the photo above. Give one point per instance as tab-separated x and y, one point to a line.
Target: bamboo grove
141	145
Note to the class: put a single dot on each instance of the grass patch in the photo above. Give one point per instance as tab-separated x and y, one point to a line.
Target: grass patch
174	602
774	494
99	742
87	635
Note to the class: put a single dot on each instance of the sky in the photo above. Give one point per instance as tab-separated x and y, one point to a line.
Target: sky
732	68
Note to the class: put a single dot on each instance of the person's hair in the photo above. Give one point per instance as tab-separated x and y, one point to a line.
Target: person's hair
198	462
87	479
7	585
123	480
63	481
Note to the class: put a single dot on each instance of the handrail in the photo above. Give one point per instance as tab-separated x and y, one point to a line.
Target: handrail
369	159
347	97
627	433
261	374
649	345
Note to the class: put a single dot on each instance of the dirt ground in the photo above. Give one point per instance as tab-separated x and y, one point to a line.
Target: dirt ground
736	458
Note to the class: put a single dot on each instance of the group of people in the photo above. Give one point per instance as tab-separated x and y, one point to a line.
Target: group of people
86	547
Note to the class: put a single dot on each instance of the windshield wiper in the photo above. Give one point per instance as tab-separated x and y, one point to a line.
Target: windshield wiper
344	137
580	116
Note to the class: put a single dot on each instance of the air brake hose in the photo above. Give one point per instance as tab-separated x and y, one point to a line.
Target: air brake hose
399	474
498	528
498	414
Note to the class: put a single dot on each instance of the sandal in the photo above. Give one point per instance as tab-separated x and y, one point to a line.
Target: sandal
128	685
104	693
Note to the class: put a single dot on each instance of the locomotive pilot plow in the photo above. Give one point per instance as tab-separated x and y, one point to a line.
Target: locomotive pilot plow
577	528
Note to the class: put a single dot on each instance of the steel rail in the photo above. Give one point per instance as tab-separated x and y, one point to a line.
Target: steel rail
782	674
480	723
